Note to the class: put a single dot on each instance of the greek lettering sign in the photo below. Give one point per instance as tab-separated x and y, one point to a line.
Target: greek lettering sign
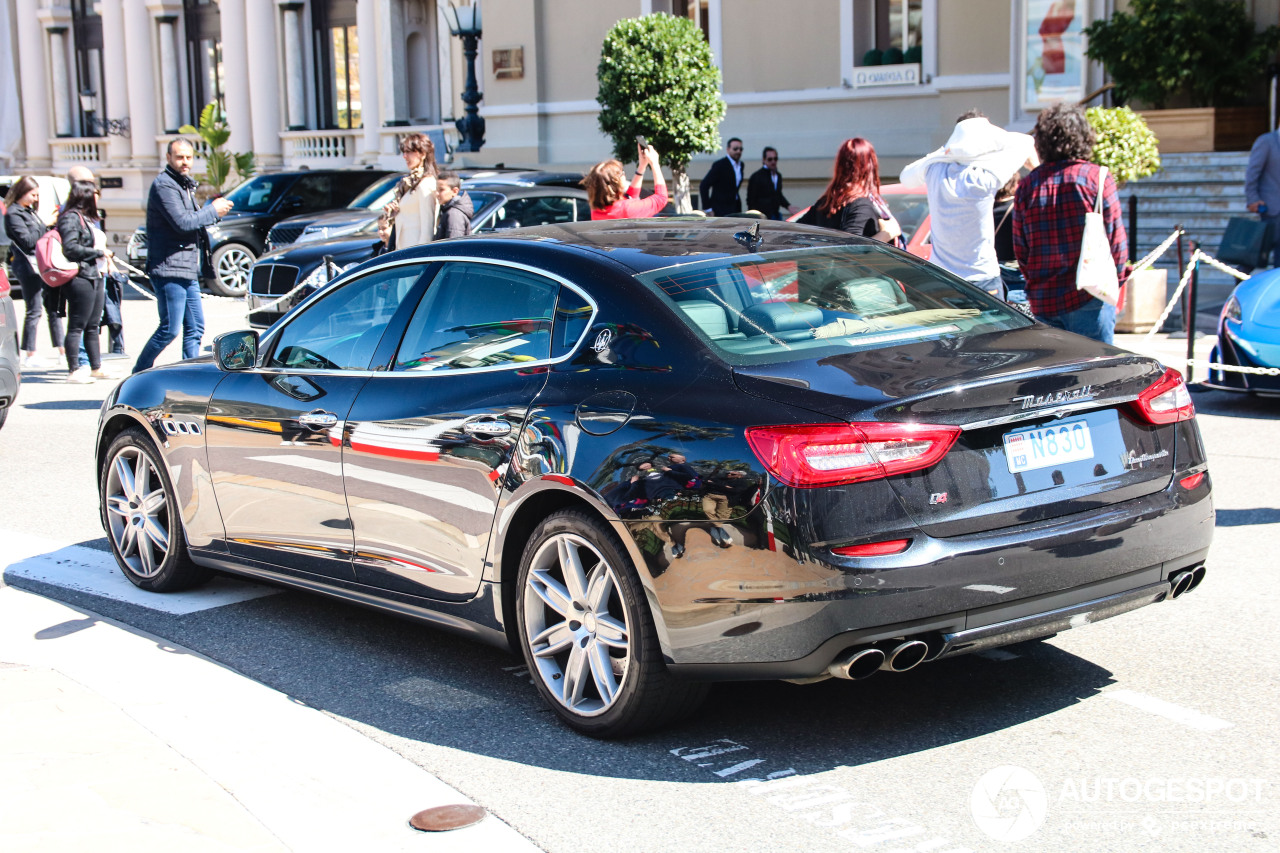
907	74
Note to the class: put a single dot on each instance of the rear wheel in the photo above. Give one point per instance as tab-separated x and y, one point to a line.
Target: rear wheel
140	514
587	633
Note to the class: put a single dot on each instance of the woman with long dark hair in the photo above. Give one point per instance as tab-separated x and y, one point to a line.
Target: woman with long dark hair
412	213
23	225
83	243
852	201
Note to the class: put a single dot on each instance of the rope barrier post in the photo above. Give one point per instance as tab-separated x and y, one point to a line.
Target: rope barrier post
1190	308
1182	269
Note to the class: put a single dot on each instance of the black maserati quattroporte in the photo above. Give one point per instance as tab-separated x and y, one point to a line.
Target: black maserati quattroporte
653	454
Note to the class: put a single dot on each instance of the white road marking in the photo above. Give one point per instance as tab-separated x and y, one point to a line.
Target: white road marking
1186	716
811	800
96	573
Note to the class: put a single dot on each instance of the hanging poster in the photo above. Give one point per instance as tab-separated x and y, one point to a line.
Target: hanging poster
1053	52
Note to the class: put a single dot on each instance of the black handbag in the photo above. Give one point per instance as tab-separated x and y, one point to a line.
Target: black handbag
1246	243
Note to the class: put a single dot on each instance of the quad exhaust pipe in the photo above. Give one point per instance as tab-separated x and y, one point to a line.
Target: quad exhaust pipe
890	656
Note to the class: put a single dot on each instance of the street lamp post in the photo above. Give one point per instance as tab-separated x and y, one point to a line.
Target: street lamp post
464	22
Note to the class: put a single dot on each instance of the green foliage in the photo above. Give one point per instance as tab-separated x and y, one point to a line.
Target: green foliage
657	79
1125	144
1207	49
214	131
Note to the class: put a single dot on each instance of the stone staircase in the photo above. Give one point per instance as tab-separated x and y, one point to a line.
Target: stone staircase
1200	191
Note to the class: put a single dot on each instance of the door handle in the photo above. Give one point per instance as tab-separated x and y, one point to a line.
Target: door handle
487	428
317	420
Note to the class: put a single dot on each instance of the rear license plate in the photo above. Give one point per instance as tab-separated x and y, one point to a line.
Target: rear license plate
1041	447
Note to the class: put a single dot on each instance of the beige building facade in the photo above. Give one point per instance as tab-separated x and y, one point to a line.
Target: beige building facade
338	82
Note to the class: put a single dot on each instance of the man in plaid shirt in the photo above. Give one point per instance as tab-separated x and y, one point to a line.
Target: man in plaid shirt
1048	225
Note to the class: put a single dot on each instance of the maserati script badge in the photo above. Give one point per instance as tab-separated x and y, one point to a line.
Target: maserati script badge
1035	401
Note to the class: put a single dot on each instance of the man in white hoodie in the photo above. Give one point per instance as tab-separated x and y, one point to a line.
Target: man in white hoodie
962	179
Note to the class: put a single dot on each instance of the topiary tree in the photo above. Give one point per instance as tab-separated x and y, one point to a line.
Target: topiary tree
1159	49
657	80
1125	144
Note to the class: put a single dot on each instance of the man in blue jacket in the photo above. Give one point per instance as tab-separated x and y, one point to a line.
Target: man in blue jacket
175	235
1262	186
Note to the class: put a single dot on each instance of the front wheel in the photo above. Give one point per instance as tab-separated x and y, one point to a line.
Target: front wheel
587	634
140	514
232	264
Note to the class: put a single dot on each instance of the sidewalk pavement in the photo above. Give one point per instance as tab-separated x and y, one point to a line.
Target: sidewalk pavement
114	739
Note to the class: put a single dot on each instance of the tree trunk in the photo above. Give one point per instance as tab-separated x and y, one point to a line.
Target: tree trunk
680	189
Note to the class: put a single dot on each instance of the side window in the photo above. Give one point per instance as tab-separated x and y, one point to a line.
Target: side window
537	210
348	185
313	191
573	313
341	330
479	315
583	209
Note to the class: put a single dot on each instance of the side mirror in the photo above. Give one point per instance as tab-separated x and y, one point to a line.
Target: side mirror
236	351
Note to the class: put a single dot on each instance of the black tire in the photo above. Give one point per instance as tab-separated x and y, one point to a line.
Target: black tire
605	635
141	518
231	265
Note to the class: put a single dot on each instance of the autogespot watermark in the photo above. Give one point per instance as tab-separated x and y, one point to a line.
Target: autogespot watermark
1010	804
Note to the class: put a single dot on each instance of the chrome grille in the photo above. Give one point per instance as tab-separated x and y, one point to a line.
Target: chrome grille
283	235
273	279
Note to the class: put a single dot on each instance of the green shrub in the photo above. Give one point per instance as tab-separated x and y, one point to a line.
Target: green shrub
1125	144
657	79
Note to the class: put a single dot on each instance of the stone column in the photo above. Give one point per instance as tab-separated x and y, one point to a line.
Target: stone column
140	74
235	64
264	72
115	58
170	75
295	81
58	65
370	82
34	87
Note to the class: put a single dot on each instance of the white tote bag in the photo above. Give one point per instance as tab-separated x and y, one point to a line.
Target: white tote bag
1096	271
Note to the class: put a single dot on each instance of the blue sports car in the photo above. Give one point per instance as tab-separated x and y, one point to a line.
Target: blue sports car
1249	336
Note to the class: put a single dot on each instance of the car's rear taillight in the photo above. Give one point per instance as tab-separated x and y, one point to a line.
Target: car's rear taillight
808	455
873	549
1167	401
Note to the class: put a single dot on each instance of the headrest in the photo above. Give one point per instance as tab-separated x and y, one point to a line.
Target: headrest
706	315
779	317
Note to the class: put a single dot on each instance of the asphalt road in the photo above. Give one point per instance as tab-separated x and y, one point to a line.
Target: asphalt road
1154	730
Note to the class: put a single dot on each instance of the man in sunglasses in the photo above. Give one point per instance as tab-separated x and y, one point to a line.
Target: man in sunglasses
719	189
764	190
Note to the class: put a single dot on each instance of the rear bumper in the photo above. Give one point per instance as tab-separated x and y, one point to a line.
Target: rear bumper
972	593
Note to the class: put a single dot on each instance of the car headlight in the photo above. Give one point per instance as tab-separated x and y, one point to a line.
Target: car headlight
324	232
320	276
1231	311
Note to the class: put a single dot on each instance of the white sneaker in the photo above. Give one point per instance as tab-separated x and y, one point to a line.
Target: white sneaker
81	376
103	373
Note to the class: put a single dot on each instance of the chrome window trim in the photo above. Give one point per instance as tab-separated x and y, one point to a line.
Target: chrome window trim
266	343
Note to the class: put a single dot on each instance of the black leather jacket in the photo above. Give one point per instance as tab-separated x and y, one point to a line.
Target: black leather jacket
77	243
24	228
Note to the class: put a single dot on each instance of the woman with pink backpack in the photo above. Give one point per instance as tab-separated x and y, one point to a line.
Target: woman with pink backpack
83	243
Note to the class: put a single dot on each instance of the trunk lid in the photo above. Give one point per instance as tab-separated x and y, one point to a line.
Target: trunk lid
1047	429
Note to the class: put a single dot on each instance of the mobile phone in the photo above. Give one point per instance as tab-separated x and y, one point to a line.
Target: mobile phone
641	141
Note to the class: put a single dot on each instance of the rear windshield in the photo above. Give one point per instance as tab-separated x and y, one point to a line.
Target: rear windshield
807	303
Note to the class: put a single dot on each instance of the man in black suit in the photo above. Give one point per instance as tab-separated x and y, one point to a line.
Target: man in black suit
764	190
719	189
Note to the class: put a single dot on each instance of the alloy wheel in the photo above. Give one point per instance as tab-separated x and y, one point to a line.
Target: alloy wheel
233	268
576	625
137	512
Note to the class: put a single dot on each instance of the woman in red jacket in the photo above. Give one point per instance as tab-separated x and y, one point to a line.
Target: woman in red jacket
610	196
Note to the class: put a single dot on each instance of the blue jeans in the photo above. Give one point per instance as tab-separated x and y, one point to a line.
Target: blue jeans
178	302
1095	319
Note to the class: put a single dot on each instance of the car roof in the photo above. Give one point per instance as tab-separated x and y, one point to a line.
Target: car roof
642	245
521	177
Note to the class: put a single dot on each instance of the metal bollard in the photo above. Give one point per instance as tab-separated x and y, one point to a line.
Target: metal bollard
1190	309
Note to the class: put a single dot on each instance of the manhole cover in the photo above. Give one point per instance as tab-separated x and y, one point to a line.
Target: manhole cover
443	818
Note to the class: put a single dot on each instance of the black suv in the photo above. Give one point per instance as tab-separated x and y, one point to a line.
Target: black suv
260	203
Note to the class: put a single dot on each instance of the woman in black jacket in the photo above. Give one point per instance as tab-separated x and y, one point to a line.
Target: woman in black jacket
852	201
85	293
23	225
